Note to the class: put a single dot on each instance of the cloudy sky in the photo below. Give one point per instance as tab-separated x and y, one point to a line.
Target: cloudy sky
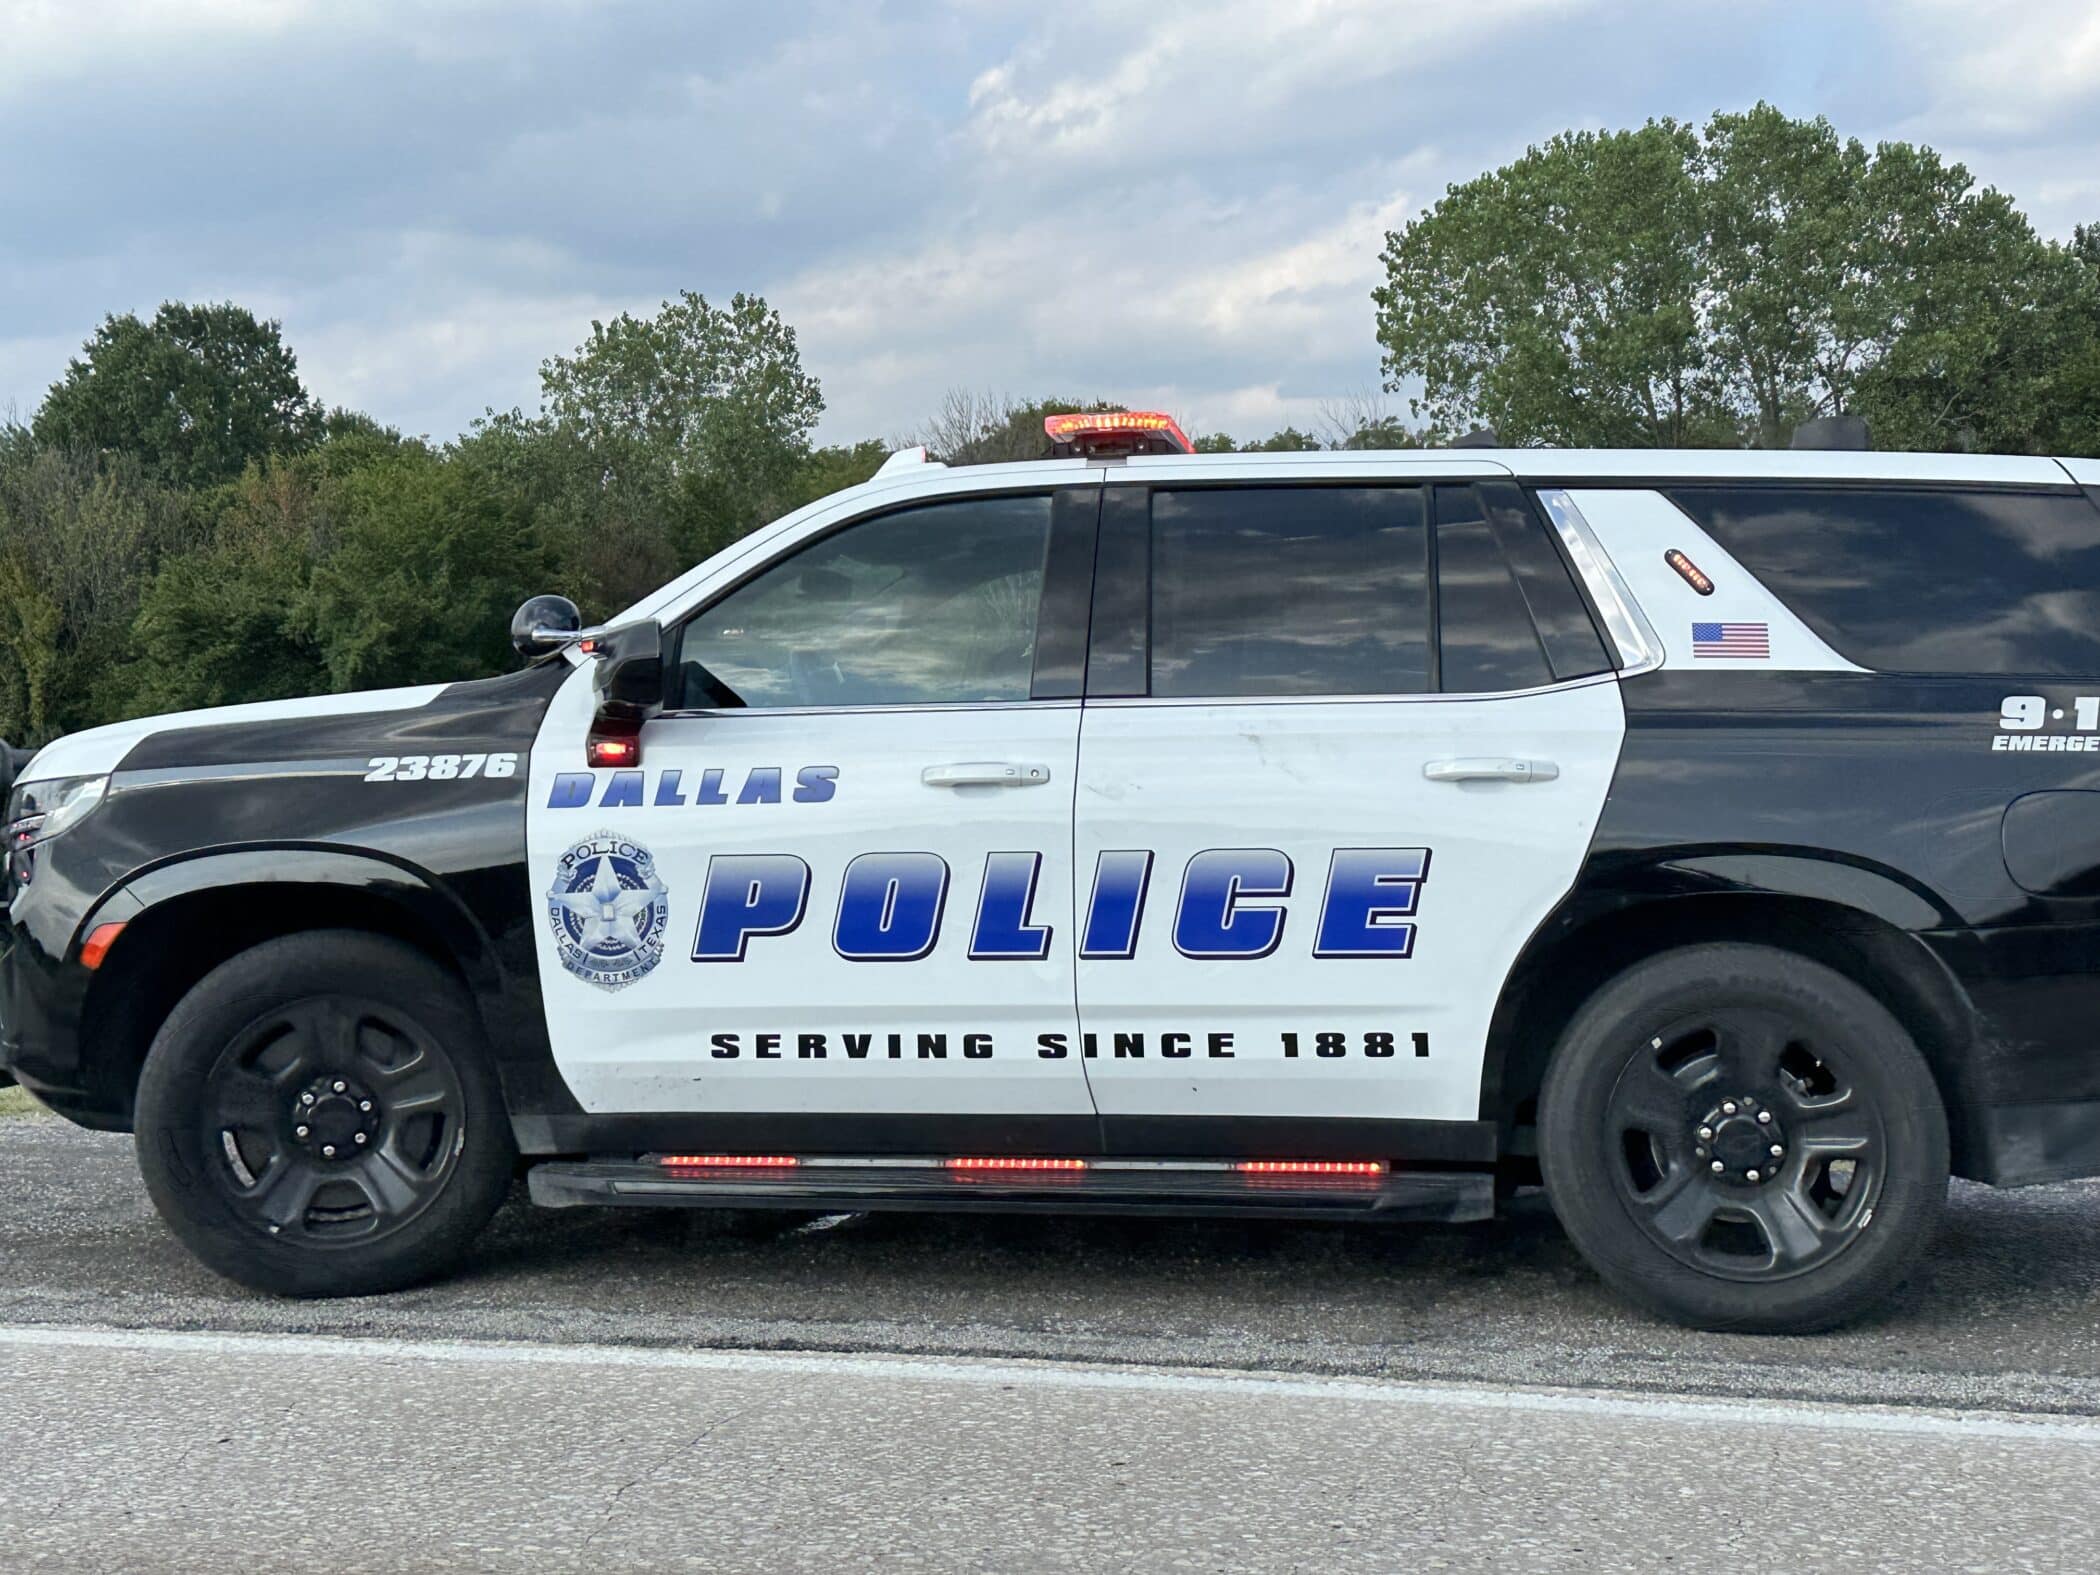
1177	203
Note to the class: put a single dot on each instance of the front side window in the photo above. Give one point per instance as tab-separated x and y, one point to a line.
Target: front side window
1289	591
928	606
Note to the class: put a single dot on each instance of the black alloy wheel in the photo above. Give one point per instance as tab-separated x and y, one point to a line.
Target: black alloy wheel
336	1119
1745	1146
320	1116
1739	1137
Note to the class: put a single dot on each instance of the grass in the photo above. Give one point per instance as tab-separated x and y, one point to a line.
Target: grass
13	1102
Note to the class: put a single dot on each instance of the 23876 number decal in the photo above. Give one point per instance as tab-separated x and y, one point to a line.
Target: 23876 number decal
438	768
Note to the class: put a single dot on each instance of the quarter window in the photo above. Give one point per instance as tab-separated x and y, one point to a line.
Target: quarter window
1921	581
1289	591
928	606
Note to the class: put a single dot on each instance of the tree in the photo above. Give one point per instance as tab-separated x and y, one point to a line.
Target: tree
714	397
422	568
195	395
1672	286
973	428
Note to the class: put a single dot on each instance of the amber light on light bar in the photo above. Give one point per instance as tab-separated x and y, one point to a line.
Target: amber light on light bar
1098	431
728	1161
1311	1167
1006	1162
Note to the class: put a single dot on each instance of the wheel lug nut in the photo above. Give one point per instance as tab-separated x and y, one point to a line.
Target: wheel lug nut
1718	1167
1764	1118
1706	1134
365	1105
364	1137
1751	1175
306	1099
339	1085
328	1151
1777	1151
1701	1151
1729	1108
299	1131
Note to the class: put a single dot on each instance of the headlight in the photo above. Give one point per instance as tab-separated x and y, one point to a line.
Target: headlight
39	811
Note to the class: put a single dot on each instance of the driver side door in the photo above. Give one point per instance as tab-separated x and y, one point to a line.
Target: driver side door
859	807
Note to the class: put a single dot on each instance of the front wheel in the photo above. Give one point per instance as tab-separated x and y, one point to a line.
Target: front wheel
319	1117
1739	1138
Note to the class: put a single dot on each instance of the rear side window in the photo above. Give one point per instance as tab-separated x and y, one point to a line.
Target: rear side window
1290	591
1484	632
1923	581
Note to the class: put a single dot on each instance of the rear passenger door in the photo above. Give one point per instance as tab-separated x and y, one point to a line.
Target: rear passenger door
1343	748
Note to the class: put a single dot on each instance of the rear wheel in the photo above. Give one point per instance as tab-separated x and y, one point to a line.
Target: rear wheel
319	1117
1740	1138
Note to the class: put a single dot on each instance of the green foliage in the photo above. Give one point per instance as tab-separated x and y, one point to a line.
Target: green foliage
1672	286
194	396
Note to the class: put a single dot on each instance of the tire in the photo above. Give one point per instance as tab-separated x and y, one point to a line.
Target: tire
320	1116
1713	1057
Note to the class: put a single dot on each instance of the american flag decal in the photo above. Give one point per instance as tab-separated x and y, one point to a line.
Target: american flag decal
1748	640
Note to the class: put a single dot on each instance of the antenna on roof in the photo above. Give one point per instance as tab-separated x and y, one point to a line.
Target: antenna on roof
1832	432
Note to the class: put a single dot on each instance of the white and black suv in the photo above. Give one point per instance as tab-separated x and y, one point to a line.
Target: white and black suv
1711	835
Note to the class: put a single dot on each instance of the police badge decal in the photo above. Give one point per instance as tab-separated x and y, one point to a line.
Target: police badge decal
608	911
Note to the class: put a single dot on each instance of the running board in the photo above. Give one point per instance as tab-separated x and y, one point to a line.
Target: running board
1019	1185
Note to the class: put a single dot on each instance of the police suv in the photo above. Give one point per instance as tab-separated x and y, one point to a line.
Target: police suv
1344	835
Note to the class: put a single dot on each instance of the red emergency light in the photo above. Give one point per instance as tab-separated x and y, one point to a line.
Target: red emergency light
1095	434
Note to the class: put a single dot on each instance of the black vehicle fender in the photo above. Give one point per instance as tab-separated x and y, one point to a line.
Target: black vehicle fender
1864	919
287	865
254	892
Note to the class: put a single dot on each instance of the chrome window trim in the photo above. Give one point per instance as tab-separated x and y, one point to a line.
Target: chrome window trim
1064	703
1640	649
1413	697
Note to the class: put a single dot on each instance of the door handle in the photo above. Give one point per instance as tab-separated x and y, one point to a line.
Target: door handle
985	773
1490	768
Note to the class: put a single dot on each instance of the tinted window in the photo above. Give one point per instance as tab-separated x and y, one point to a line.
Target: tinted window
932	605
1289	591
1483	630
1922	581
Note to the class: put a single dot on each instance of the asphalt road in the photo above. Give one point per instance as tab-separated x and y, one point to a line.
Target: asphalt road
561	1384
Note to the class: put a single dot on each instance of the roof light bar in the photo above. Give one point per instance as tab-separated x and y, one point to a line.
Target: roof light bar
1096	434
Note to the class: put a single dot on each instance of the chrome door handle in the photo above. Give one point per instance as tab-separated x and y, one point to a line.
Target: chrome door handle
985	773
1486	768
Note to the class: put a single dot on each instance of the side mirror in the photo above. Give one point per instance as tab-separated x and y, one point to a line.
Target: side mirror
542	624
630	688
630	679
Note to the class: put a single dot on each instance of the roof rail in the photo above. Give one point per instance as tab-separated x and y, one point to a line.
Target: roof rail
1845	432
913	458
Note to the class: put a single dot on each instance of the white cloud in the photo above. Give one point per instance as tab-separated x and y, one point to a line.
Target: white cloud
1118	85
2000	67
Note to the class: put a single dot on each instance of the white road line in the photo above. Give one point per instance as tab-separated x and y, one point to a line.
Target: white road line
1686	1409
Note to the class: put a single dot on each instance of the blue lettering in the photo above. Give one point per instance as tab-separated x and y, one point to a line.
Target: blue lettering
1005	908
572	790
816	784
667	792
748	894
710	788
762	786
890	907
1121	877
624	791
1210	921
1369	891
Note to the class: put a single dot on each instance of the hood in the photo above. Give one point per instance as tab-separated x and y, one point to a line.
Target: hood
96	750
